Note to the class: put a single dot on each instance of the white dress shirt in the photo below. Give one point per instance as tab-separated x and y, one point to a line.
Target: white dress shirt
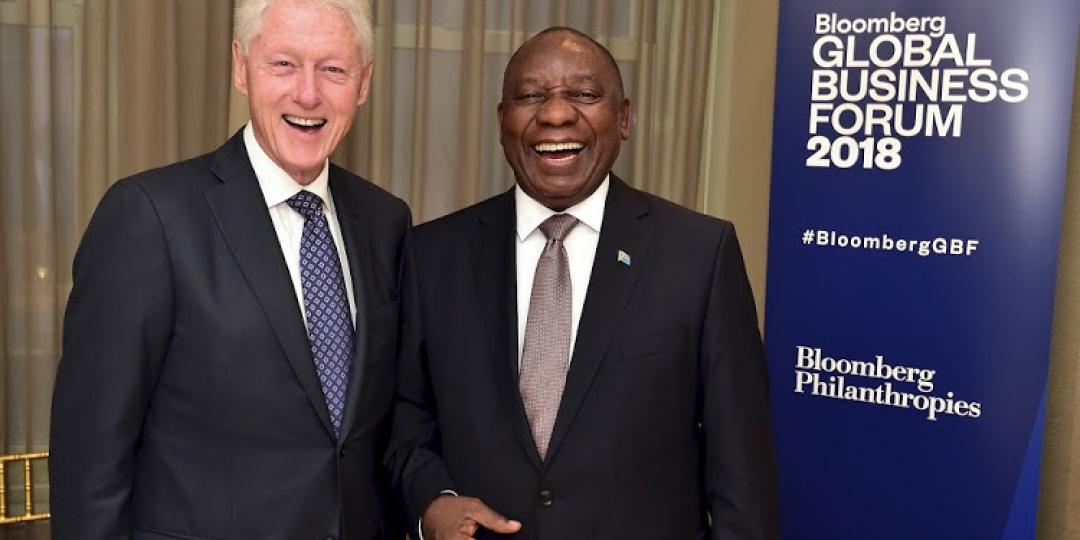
580	244
277	187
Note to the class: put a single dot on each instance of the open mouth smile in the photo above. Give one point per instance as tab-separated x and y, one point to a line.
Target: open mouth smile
558	151
307	125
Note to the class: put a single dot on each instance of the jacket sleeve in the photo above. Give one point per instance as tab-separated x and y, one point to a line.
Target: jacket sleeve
740	466
117	327
417	470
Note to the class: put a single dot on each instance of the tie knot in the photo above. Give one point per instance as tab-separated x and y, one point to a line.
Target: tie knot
306	203
556	227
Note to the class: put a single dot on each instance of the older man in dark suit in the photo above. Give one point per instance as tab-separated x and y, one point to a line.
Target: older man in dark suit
229	343
586	362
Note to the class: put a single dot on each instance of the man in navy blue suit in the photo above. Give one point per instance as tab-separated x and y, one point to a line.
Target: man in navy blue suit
230	340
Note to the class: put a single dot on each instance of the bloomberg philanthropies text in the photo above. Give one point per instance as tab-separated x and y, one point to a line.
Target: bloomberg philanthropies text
876	382
880	79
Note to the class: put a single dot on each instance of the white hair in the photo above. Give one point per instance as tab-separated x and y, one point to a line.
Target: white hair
249	13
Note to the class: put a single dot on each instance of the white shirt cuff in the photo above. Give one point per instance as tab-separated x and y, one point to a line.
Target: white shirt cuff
420	522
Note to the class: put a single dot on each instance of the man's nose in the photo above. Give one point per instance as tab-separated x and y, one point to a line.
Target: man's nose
556	112
307	93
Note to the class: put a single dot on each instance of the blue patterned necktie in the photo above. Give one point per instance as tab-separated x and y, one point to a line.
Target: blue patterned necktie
330	330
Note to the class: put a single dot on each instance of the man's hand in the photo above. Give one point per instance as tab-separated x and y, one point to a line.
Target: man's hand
458	518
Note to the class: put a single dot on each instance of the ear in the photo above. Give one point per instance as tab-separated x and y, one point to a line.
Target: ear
239	65
365	83
624	118
500	112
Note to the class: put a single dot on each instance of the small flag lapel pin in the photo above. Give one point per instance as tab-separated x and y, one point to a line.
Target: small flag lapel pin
624	257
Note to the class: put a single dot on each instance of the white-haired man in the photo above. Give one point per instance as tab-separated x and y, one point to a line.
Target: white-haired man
229	342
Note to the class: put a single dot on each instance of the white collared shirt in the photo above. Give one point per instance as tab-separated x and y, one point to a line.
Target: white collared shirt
580	244
277	187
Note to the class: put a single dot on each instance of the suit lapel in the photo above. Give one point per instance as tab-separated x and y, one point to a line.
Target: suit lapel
240	210
355	232
626	228
494	254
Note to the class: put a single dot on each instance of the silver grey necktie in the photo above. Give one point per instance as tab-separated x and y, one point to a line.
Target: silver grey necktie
546	354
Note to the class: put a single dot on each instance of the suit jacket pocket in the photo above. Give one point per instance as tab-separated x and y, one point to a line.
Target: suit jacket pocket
653	343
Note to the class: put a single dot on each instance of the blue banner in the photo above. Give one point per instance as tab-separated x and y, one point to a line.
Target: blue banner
919	159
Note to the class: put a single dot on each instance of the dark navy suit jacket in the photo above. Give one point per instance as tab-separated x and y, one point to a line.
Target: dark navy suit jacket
663	431
187	404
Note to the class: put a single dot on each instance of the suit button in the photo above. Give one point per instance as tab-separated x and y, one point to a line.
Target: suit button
341	451
545	497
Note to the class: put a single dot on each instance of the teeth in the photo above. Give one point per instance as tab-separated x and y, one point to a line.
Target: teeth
306	122
557	147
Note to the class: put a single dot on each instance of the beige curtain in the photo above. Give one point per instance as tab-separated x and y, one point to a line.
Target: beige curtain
155	87
94	90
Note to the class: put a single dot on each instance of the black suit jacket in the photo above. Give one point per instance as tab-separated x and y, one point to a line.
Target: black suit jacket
187	403
664	418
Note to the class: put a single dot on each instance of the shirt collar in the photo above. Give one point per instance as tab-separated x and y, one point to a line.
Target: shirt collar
530	213
276	184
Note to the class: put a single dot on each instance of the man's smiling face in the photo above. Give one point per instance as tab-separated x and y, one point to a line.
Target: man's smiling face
562	118
304	76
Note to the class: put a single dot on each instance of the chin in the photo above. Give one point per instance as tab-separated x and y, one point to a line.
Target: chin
564	190
307	160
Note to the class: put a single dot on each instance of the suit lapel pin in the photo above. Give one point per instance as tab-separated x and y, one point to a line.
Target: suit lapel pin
624	257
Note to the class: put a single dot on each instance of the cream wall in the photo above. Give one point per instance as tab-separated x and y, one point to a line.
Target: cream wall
740	109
